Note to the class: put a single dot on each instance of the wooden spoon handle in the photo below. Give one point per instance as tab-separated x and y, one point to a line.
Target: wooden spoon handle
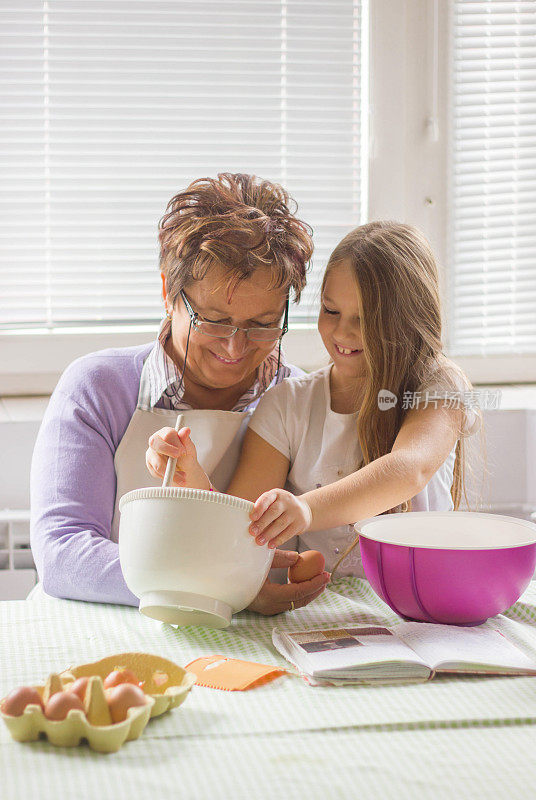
172	462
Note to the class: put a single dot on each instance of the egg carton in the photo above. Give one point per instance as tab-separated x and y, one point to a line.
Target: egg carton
165	684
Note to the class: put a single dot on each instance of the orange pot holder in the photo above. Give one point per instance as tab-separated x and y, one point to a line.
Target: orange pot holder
220	672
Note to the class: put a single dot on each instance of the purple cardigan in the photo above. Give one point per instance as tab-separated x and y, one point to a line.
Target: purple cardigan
72	482
73	479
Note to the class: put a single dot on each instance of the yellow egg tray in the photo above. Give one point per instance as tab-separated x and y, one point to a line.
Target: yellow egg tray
166	686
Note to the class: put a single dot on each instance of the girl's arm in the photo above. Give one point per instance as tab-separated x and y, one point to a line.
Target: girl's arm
264	460
424	442
260	467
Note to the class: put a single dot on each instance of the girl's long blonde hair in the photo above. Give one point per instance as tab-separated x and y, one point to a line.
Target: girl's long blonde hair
397	281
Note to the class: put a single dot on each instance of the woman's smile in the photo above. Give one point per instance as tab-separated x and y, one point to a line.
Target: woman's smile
224	360
225	363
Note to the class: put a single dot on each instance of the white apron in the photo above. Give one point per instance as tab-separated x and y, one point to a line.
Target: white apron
217	435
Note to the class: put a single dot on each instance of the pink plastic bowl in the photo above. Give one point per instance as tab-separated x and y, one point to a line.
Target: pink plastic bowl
455	568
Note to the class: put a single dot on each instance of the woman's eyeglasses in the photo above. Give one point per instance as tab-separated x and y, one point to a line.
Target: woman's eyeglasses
222	331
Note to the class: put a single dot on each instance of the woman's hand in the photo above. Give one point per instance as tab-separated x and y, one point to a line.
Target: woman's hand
278	516
169	443
275	598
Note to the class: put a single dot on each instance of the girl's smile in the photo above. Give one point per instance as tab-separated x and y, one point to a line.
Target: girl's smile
339	322
346	351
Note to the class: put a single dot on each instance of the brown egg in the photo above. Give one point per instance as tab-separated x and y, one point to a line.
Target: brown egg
123	697
17	700
310	564
119	676
78	688
61	703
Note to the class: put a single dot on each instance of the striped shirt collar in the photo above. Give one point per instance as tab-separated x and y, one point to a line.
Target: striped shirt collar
164	376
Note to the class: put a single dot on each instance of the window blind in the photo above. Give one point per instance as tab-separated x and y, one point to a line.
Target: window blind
111	107
493	178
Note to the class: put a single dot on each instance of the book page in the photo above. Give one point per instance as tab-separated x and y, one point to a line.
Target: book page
454	647
348	648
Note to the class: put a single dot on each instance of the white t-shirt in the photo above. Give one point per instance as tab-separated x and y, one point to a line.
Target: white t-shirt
322	446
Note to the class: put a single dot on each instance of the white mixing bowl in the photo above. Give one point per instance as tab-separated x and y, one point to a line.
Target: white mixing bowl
188	556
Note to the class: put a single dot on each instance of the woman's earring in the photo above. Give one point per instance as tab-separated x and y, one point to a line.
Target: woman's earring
169	314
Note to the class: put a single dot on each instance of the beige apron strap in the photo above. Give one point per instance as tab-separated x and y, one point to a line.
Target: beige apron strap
218	436
144	392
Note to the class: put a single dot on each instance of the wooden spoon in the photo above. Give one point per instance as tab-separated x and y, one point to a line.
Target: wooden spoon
172	462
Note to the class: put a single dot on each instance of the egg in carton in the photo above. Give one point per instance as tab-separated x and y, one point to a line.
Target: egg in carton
164	683
162	680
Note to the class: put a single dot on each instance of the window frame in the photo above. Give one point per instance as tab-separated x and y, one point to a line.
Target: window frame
401	96
55	350
402	89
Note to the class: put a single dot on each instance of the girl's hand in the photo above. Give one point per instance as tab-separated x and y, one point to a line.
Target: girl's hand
278	516
167	442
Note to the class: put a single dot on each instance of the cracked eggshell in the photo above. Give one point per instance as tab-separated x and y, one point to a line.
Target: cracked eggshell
165	682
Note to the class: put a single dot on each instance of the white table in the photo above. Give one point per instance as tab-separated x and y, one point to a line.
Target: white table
453	737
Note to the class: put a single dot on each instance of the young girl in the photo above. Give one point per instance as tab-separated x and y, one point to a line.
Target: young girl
379	430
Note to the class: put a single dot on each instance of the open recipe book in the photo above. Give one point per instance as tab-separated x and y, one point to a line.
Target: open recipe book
407	652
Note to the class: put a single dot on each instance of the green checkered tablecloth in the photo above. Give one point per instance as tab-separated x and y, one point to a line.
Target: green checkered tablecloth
463	737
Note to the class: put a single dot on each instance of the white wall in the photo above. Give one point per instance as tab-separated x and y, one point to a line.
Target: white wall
504	462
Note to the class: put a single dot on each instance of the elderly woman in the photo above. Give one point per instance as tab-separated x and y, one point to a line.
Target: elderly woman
230	254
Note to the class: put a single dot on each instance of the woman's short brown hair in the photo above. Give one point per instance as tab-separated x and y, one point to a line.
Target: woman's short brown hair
238	221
